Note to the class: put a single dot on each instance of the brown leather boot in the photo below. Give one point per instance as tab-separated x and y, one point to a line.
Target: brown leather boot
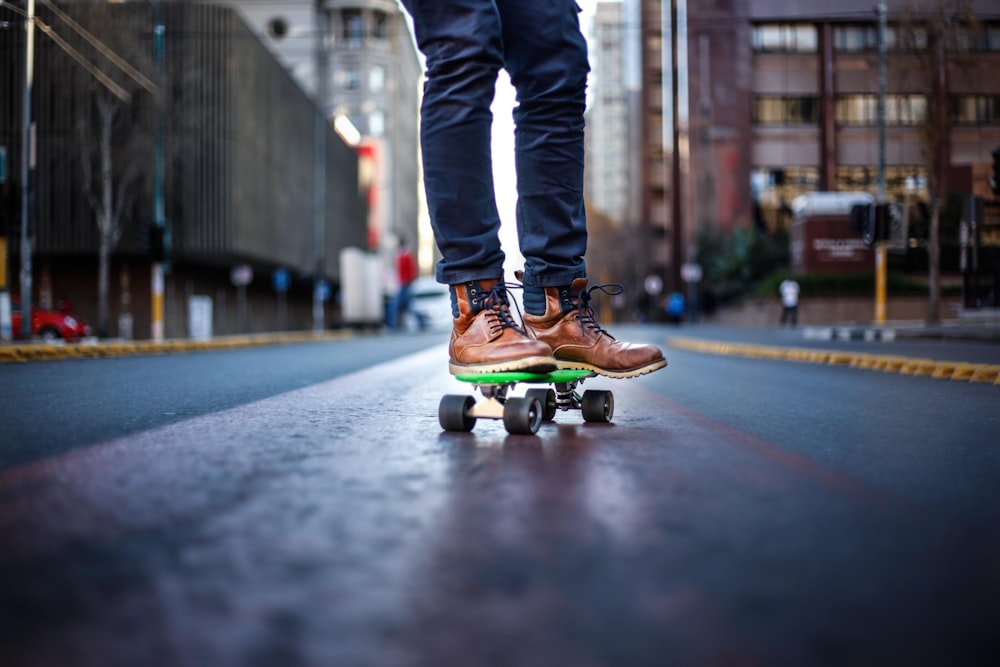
486	339
578	341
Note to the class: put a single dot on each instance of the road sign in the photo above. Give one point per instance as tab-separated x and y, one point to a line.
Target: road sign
281	280
322	291
653	284
241	275
691	272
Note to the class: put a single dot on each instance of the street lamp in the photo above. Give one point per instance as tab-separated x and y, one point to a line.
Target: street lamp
159	218
27	164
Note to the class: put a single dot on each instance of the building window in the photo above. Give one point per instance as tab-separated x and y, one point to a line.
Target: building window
984	38
899	180
853	38
991	38
353	27
380	25
777	110
784	38
974	109
349	78
376	79
376	123
863	38
862	110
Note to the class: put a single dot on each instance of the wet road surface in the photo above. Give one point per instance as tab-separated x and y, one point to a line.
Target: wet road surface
338	525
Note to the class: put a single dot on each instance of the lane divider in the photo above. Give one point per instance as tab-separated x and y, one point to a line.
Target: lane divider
942	370
25	352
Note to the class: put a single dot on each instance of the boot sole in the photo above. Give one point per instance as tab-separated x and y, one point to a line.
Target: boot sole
539	364
565	364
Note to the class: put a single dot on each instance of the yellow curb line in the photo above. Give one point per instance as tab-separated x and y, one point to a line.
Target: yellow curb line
22	353
943	370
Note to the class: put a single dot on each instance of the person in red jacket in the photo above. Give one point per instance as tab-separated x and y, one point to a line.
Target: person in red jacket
406	272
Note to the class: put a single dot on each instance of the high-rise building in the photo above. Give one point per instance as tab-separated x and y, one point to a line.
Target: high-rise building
608	148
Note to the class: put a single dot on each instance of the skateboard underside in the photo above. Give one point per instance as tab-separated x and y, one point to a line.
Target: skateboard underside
523	415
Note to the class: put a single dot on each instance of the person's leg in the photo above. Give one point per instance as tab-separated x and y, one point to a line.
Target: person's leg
546	56
392	312
461	41
404	305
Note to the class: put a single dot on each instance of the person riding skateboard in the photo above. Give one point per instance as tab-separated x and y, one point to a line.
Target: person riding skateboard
540	45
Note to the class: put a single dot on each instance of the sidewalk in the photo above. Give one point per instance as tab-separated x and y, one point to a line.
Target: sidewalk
985	330
952	350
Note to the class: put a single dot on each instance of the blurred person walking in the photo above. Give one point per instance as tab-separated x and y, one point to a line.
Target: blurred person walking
789	290
406	273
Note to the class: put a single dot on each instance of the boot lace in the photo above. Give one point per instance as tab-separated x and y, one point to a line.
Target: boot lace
497	307
585	313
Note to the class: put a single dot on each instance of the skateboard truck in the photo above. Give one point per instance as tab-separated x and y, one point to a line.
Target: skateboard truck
523	415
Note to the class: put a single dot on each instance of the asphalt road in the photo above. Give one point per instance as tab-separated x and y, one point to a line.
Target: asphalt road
301	506
50	408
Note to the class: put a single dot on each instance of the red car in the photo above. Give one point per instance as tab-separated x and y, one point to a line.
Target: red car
49	324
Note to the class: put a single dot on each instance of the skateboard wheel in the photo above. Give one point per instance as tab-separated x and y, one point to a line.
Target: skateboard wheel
547	398
453	413
597	406
522	416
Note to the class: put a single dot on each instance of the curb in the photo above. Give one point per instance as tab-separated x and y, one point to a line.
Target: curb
942	370
23	353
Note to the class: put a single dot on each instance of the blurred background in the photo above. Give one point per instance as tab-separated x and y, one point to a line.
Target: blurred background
174	169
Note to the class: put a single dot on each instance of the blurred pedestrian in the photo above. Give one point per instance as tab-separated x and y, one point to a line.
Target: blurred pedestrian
675	307
789	289
466	43
406	273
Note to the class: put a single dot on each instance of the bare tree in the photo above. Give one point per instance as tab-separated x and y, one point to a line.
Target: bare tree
108	190
114	145
936	33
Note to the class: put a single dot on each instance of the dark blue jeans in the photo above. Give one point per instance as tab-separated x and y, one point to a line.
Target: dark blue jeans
539	43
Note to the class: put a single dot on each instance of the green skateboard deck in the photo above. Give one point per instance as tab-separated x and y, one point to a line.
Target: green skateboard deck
513	377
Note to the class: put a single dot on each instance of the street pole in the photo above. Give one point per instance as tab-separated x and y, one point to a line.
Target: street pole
156	279
320	129
881	252
27	164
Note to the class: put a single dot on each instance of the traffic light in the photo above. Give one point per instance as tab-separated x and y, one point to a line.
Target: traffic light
995	178
160	244
863	221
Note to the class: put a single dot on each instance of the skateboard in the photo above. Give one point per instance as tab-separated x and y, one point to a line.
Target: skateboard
523	415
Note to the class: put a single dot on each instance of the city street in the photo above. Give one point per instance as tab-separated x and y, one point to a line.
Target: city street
301	505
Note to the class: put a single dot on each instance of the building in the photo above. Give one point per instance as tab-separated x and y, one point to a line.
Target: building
358	60
770	99
241	142
608	145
